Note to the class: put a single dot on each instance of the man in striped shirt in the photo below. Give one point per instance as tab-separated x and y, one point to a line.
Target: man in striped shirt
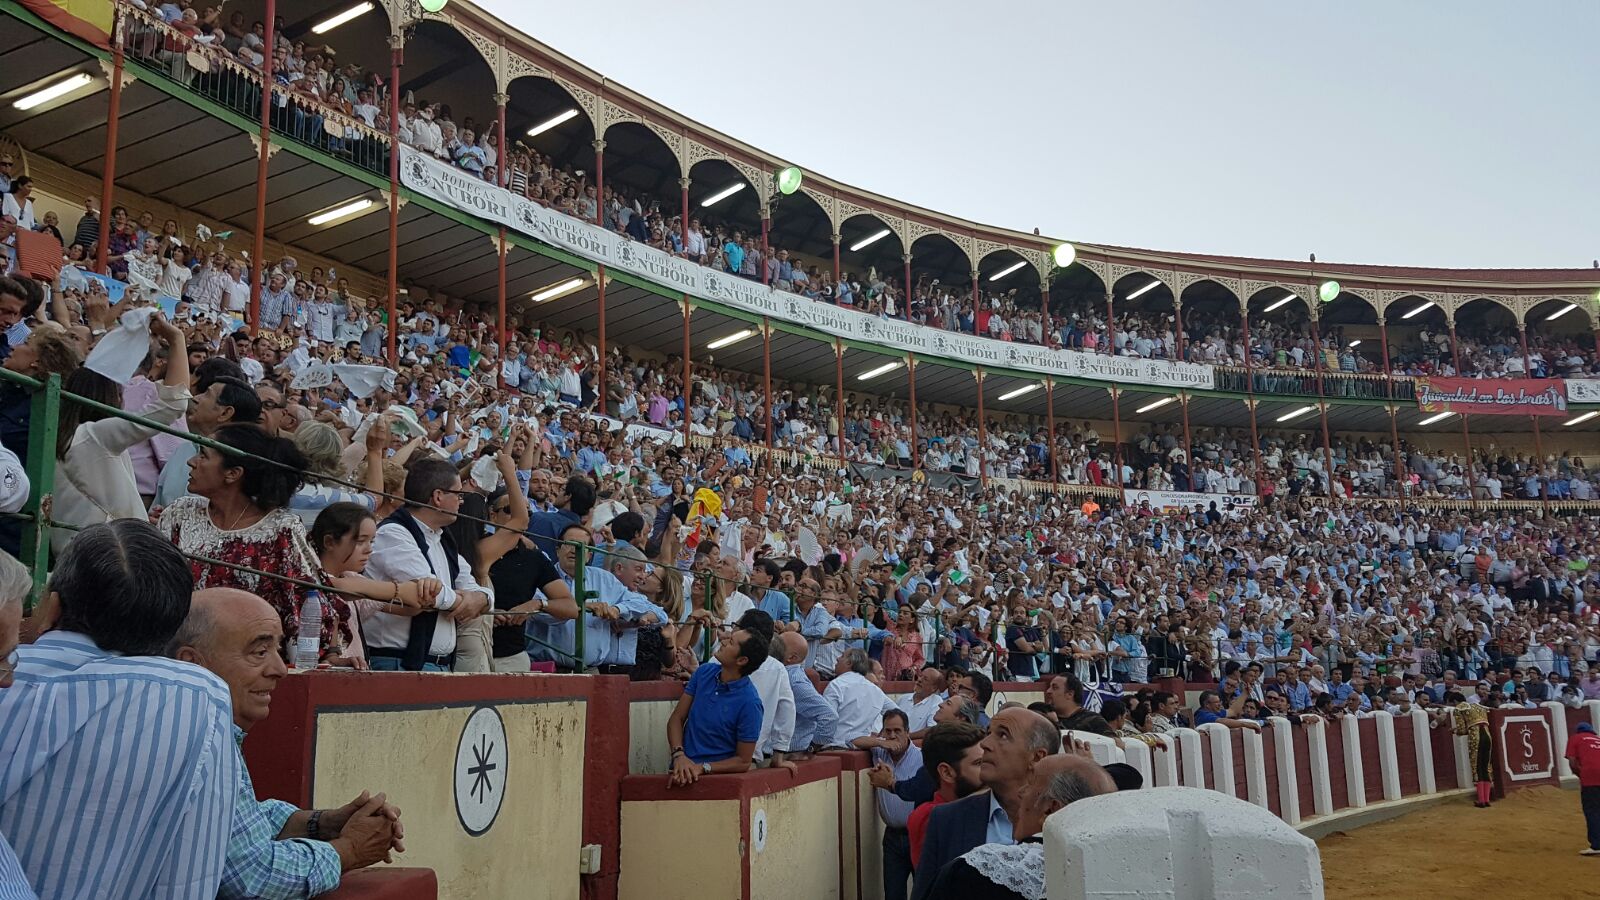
120	773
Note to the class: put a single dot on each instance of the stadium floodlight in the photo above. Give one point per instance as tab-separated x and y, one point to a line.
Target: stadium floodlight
1329	291
1144	290
1418	310
1561	312
1436	417
1578	420
1156	405
1064	255
434	5
1025	389
730	339
343	211
723	194
1297	413
552	122
1285	299
789	179
559	289
870	374
329	24
1007	270
1353	344
54	91
869	240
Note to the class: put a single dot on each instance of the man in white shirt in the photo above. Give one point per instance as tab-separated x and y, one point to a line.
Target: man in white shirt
858	703
771	682
924	701
411	544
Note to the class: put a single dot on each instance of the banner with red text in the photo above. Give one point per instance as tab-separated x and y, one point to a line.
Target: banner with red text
1493	396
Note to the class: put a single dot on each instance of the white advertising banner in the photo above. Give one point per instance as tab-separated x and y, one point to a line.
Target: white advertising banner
1186	501
426	175
1583	390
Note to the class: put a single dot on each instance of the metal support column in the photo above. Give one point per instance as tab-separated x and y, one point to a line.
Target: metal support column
109	173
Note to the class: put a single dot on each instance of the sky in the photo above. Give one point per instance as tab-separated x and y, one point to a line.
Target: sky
1459	133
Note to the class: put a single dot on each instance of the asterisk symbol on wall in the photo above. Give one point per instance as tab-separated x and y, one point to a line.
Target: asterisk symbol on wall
480	771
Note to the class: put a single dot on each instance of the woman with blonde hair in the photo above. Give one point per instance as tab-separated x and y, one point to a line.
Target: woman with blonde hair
322	446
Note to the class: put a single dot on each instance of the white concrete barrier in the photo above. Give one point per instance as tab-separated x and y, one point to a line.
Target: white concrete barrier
1422	744
1140	755
1288	769
1354	773
1321	786
1255	768
1388	755
1104	750
1173	844
1558	735
1164	763
1193	763
1593	706
1221	747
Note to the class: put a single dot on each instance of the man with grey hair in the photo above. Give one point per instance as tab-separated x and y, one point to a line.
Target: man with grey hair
857	702
1004	870
1018	740
627	566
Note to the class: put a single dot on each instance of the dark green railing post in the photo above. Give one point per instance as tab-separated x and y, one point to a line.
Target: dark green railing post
581	563
41	466
711	606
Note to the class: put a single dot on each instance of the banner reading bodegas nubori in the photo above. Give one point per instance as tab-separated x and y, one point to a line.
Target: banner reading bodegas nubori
425	175
1493	396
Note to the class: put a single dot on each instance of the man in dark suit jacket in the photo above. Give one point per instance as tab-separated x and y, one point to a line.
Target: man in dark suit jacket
1018	739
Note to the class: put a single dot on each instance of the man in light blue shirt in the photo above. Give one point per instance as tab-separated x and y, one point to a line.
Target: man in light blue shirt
608	603
814	717
95	713
628	568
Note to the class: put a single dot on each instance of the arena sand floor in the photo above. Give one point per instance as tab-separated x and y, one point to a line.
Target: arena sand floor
1525	846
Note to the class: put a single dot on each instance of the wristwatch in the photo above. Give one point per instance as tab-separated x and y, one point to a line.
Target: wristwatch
705	768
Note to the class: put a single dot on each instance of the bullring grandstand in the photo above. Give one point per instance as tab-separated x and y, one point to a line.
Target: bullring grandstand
390	184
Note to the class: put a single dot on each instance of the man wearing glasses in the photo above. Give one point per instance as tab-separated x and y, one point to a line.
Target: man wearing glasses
8	168
410	544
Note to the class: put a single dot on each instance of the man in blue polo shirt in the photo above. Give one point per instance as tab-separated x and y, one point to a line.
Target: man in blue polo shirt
717	722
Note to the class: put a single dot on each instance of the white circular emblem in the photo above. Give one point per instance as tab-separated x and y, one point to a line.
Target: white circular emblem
758	830
480	774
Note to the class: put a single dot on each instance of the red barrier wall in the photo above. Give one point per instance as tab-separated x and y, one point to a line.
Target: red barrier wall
1241	781
1525	751
1302	770
1406	755
1444	759
1337	785
1371	771
1269	752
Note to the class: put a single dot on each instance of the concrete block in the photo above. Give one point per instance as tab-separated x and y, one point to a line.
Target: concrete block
1422	739
1321	786
1288	770
1593	706
1255	768
1558	735
1164	763
1175	843
1388	756
1193	762
1138	754
1354	771
1220	744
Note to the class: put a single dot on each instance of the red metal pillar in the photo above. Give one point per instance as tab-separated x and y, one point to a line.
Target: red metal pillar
1050	336
688	372
907	258
683	216
109	175
911	380
766	383
1538	438
838	385
1116	437
838	270
983	430
504	167
258	272
1111	326
1466	430
1050	429
396	43
1177	321
977	302
766	240
1322	400
1188	450
601	385
1255	445
1388	390
502	155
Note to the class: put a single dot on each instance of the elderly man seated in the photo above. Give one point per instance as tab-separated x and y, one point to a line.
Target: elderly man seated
274	849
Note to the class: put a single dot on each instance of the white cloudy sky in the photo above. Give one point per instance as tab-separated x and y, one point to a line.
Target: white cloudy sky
1460	133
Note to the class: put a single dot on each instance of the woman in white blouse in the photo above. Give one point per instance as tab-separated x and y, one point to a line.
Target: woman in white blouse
95	481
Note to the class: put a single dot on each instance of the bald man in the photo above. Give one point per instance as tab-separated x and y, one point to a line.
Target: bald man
813	717
1055	782
1018	740
274	849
